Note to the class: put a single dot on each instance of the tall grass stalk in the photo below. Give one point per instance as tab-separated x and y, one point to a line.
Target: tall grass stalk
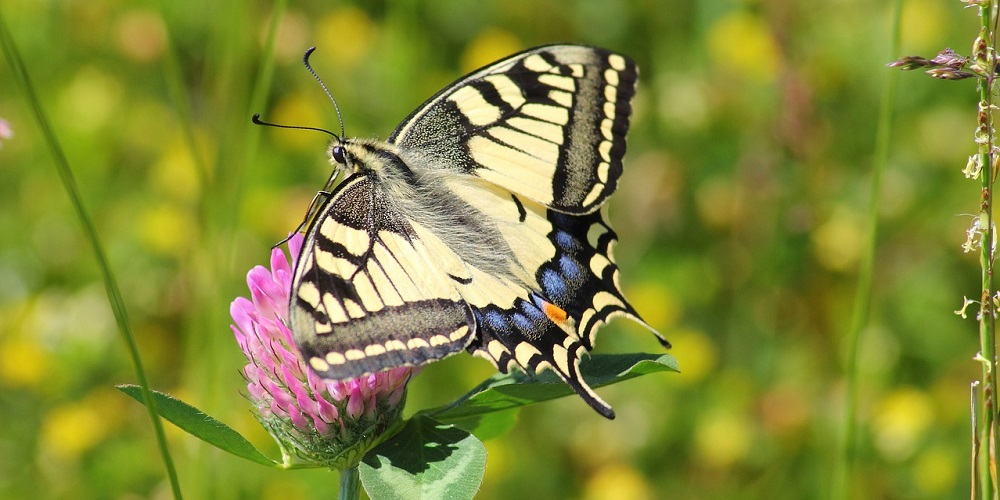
222	114
982	65
258	99
984	55
862	299
20	73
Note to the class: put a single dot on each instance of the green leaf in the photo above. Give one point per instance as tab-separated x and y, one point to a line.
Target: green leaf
426	460
516	389
487	426
201	426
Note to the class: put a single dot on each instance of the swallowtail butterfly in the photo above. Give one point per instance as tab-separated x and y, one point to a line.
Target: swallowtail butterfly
476	226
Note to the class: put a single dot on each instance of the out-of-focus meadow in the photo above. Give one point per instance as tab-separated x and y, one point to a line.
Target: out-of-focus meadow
742	217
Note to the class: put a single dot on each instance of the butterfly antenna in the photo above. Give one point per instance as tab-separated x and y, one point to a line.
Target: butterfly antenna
256	119
305	61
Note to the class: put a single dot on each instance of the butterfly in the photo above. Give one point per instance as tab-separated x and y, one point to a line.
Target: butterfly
476	226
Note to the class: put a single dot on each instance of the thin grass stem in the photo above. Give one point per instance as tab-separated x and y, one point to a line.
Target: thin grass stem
845	462
988	417
20	72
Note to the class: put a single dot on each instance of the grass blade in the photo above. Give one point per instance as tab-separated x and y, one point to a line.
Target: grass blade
844	462
20	73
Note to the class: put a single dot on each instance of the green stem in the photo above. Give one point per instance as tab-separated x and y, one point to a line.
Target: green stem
117	302
987	413
350	484
862	298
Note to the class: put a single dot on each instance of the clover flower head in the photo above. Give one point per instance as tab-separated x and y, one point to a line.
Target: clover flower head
317	422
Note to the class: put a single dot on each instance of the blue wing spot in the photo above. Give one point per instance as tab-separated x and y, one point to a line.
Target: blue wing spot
570	267
532	313
522	322
566	241
553	283
494	319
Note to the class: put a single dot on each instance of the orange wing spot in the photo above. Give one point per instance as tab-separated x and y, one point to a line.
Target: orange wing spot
554	312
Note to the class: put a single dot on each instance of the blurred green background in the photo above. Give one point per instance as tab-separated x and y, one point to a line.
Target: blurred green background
742	217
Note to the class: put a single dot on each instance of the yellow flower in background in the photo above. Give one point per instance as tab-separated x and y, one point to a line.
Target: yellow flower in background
742	43
901	422
175	173
70	430
90	100
839	241
23	362
490	45
347	33
617	482
166	229
659	305
922	24
73	428
936	470
723	437
696	353
297	109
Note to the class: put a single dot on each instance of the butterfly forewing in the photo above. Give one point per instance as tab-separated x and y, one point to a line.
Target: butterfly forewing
548	124
367	294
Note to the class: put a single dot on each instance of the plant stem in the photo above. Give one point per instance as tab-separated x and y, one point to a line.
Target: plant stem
862	299
115	299
984	54
350	484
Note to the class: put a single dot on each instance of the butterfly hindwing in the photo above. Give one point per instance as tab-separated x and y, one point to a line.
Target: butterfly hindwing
548	123
568	288
367	294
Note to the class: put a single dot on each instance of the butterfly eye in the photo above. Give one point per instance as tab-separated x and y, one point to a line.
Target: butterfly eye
338	155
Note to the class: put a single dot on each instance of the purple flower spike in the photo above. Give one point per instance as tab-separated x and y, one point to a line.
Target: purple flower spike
317	422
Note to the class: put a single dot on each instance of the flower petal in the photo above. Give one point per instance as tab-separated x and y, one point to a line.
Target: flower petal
241	309
295	246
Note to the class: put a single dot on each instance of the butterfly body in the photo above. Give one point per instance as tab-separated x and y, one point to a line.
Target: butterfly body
476	226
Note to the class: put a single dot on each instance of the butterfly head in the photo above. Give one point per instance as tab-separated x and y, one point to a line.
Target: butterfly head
353	156
369	157
341	159
337	154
